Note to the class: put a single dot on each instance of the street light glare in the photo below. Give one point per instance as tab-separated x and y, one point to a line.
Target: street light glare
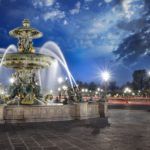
60	80
83	90
105	75
148	73
59	89
98	89
64	87
127	90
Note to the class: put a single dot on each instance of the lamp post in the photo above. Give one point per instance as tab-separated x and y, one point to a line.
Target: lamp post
127	91
105	75
60	80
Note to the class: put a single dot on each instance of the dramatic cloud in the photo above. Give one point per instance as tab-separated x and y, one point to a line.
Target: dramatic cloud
86	30
76	10
42	3
133	8
107	1
136	45
53	15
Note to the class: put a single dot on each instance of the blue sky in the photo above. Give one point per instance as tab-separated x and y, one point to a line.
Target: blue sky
93	34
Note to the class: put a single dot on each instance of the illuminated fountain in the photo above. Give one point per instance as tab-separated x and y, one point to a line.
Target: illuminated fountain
25	86
31	71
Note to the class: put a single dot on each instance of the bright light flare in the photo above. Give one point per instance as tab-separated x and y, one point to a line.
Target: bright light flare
86	90
105	76
64	87
148	73
127	90
98	89
83	90
59	89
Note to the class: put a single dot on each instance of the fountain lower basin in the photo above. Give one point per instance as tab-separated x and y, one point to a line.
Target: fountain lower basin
37	113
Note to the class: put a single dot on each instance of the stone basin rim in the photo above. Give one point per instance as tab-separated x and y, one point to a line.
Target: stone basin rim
26	60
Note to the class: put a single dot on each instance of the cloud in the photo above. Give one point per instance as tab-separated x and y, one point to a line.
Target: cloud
76	10
88	0
133	8
108	1
134	47
65	22
101	36
53	15
41	3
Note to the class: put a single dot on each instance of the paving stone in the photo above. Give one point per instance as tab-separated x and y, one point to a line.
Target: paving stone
35	148
123	130
20	148
51	148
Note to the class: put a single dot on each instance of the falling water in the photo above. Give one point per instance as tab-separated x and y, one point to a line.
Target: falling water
11	48
55	49
52	49
6	73
53	72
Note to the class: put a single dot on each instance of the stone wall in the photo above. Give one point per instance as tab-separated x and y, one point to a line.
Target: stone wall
1	114
16	114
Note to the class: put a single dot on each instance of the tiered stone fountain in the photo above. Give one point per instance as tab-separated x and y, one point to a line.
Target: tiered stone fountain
25	87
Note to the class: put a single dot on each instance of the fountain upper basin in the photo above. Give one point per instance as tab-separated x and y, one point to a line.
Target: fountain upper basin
26	60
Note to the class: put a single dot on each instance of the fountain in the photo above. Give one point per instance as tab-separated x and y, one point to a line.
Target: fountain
25	101
25	85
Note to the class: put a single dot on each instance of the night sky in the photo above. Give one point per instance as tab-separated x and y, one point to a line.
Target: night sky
93	34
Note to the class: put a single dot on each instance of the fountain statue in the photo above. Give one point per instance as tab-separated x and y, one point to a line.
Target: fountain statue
25	86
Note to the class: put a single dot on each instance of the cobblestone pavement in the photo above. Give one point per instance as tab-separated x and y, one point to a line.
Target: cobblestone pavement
123	130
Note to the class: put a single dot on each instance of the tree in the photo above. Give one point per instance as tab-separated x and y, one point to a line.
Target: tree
92	86
139	79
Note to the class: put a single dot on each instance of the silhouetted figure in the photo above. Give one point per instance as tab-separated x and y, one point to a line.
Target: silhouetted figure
65	102
57	100
90	100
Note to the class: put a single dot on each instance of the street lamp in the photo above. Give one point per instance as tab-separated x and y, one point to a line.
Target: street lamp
83	90
64	87
127	90
148	73
86	90
98	89
59	89
105	75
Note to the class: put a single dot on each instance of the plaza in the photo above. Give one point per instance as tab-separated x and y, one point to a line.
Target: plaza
75	75
123	130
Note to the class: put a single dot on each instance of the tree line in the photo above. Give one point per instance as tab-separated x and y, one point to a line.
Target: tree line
140	83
